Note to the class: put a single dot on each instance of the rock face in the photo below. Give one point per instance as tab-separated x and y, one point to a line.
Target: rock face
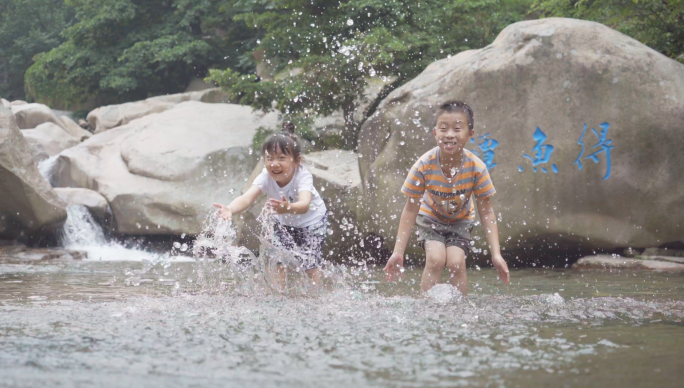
162	172
29	116
556	75
28	205
337	178
110	116
47	140
94	201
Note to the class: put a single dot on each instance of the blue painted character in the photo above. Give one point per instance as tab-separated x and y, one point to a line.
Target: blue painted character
487	146
603	143
542	152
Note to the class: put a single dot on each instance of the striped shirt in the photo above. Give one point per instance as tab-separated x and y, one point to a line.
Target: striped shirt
445	200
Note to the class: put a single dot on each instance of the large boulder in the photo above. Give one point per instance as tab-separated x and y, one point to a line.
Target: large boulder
557	75
336	177
162	172
111	116
47	140
29	116
28	205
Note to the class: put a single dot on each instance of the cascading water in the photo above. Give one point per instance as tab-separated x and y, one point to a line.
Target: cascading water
45	167
81	230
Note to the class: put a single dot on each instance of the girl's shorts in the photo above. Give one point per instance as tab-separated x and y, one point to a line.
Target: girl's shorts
455	234
306	242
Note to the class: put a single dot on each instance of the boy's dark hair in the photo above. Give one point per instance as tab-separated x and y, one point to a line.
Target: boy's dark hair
456	106
284	141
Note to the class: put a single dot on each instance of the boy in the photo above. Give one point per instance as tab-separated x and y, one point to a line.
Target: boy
445	178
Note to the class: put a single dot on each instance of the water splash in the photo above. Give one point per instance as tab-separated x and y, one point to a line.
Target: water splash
223	266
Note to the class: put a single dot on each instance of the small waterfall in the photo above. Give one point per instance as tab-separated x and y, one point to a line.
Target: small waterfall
45	167
81	230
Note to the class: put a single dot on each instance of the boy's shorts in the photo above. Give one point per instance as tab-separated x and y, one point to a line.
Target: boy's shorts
306	243
455	234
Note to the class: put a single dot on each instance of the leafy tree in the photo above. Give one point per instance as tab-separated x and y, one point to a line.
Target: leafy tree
658	24
325	51
122	50
27	27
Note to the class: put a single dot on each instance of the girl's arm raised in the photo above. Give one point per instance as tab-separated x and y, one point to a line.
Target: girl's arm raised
239	204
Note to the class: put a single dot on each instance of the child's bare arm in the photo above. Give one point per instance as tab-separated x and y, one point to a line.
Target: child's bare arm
488	218
239	204
299	207
408	219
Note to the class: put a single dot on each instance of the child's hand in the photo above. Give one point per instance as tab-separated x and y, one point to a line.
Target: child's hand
394	266
225	211
280	207
502	267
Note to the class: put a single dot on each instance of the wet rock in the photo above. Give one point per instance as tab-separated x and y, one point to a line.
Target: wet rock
47	140
29	116
617	262
94	201
663	252
337	179
555	74
111	116
28	205
21	253
161	173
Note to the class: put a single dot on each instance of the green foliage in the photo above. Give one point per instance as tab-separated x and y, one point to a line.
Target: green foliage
325	51
122	50
27	28
658	24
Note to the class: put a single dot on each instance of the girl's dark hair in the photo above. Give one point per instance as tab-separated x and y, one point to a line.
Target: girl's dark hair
284	141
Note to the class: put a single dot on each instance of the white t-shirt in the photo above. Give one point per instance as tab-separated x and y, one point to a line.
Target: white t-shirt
302	181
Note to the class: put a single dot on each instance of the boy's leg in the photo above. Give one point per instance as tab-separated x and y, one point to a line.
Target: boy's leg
456	264
435	260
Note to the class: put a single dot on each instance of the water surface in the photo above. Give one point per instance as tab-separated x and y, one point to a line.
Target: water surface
87	324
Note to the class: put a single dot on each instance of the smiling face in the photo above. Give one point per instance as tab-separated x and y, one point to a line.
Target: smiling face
452	133
281	166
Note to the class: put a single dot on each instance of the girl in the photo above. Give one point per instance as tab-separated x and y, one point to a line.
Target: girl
302	216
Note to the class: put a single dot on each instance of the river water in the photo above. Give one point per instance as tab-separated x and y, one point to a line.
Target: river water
79	324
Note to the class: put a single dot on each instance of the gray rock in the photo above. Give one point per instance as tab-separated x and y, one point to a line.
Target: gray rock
617	262
555	74
29	116
111	116
20	253
74	129
47	140
161	173
94	201
28	205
